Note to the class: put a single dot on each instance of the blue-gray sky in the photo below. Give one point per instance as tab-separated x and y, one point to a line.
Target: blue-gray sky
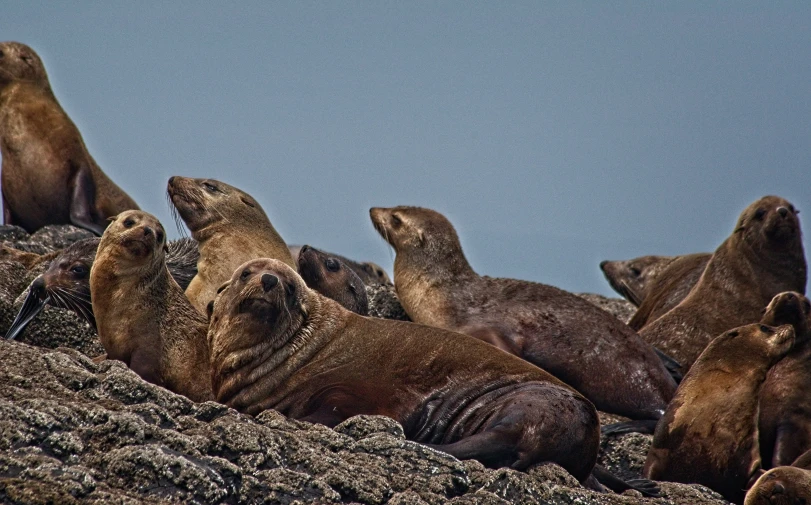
553	134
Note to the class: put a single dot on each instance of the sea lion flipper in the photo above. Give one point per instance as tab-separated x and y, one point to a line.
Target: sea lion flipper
673	366
645	426
788	442
83	202
614	483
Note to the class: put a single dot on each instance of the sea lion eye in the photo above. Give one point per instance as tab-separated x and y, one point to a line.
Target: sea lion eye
210	187
395	220
733	333
636	271
759	214
79	270
1	53
333	265
159	235
129	222
807	305
289	289
766	329
245	274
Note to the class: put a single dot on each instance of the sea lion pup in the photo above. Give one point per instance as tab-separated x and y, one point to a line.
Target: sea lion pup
785	404
276	344
631	278
785	485
669	287
709	434
369	273
142	316
66	282
230	228
48	176
330	276
763	256
560	332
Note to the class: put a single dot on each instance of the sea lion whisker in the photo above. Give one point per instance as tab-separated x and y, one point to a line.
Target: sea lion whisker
76	302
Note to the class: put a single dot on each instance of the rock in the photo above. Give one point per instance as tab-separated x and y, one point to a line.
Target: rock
619	308
383	302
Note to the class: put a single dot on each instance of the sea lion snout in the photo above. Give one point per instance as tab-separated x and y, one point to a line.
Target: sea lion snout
38	287
269	281
782	211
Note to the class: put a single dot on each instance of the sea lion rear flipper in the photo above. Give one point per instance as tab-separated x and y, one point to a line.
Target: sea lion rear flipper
82	204
32	306
673	366
611	481
645	426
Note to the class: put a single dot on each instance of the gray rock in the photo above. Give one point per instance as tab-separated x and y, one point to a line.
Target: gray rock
619	308
383	302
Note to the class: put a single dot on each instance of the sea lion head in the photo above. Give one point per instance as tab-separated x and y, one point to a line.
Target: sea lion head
332	278
784	485
791	308
631	277
771	221
757	340
18	62
133	239
376	272
204	203
265	302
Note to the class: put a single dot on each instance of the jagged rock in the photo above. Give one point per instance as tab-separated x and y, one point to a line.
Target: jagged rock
383	302
619	308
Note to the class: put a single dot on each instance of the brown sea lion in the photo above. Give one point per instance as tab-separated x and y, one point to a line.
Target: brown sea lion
669	287
230	228
142	316
785	403
329	276
763	256
560	332
369	273
48	176
785	485
28	259
631	278
709	434
66	282
276	344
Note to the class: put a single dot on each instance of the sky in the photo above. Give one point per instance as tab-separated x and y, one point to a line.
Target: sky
553	135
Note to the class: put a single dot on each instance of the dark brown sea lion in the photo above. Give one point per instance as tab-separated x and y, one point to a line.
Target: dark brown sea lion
709	434
763	257
669	287
330	276
560	332
785	403
631	278
142	316
230	228
276	344
48	176
785	485
66	282
369	273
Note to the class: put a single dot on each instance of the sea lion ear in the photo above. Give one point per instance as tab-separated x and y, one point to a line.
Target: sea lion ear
421	238
112	218
210	309
247	202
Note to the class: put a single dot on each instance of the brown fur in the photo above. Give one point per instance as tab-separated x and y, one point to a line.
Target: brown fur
709	434
558	331
763	256
48	176
785	404
230	228
277	344
632	278
330	276
369	273
786	485
143	317
669	287
28	259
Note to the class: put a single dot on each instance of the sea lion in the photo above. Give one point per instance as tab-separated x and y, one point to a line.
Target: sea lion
276	344
785	485
560	332
369	273
28	259
330	276
785	405
763	256
230	228
669	287
631	278
709	434
66	282
142	316
48	176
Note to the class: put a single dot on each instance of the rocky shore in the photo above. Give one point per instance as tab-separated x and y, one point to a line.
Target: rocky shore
73	431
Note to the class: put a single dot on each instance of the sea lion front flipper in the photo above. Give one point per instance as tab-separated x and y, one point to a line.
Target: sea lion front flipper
83	199
644	426
614	483
790	440
673	366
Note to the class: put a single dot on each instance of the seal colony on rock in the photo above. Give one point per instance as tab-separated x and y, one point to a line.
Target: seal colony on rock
631	278
142	316
48	176
560	332
66	282
369	273
276	344
230	228
785	403
763	257
709	434
330	276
